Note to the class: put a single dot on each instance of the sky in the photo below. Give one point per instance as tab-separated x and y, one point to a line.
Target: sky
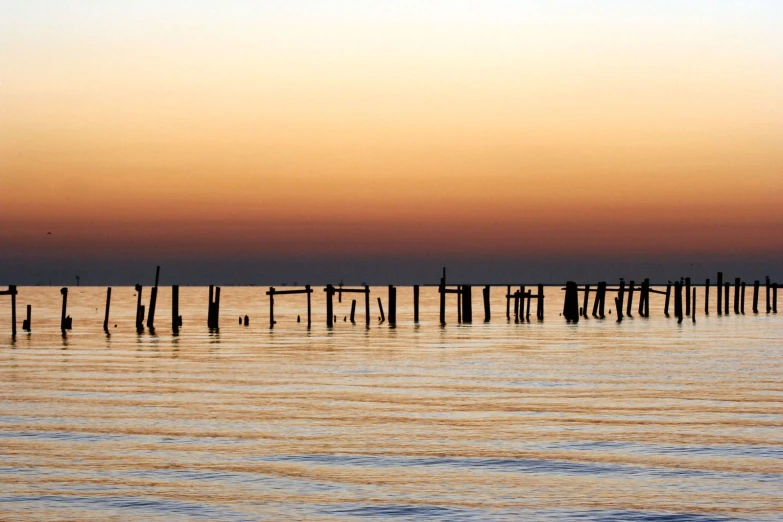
261	142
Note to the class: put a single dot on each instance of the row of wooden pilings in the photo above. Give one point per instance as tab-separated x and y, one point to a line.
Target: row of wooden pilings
572	311
684	306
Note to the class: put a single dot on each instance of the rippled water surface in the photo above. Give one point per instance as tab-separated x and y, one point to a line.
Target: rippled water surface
646	420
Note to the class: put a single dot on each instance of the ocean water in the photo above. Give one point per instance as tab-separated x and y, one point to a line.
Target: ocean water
645	420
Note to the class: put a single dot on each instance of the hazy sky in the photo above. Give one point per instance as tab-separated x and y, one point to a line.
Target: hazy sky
440	130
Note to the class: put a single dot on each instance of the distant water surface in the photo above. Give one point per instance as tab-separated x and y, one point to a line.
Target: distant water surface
645	420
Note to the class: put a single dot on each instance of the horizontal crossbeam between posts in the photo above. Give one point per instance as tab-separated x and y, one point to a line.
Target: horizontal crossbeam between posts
289	292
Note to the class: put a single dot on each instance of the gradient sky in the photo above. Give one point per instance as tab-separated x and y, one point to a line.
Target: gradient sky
443	130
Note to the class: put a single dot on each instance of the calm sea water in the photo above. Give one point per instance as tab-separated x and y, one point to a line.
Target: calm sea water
647	420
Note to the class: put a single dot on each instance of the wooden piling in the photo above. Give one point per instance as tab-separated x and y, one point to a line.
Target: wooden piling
216	313
586	301
415	303
736	295
521	307
707	297
353	311
442	290
742	299
620	299
726	289
380	307
540	303
720	292
12	291
688	296
106	312
644	294
487	312
27	323
309	306
139	313
619	309
508	303
175	318
63	317
367	305
630	299
271	306
330	306
392	306
153	300
210	310
647	298
571	303
768	288
693	315
678	301
601	305
527	310
516	306
459	304
668	297
467	304
756	296
774	298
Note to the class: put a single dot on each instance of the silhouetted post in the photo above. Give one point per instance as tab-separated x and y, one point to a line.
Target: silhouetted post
459	304
571	304
629	309
647	298
736	295
353	311
774	298
415	303
442	290
211	309
516	306
508	302
153	300
769	308
106	313
216	315
756	296
392	306
742	299
467	304
644	293
380	307
707	297
175	319
620	300
601	306
688	296
678	301
521	307
487	312
666	301
309	307
540	303
27	323
12	291
527	311
63	321
586	301
247	320
619	308
720	293
693	316
139	309
271	307
367	305
330	306
726	298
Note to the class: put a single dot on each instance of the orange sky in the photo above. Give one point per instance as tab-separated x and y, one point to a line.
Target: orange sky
515	129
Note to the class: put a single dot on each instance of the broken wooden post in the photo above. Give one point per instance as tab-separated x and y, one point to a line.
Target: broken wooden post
508	302
13	292
619	309
367	305
620	300
176	320
216	309
487	312
329	306
392	306
516	306
586	301
353	311
27	323
768	287
630	299
666	301
527	310
467	304
644	295
742	299
247	321
774	298
415	303
720	293
139	308
688	296
540	303
756	296
210	310
106	312
726	289
271	306
309	308
521	308
380	307
602	303
153	300
707	297
65	324
571	303
736	295
693	315
442	290
678	301
459	304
